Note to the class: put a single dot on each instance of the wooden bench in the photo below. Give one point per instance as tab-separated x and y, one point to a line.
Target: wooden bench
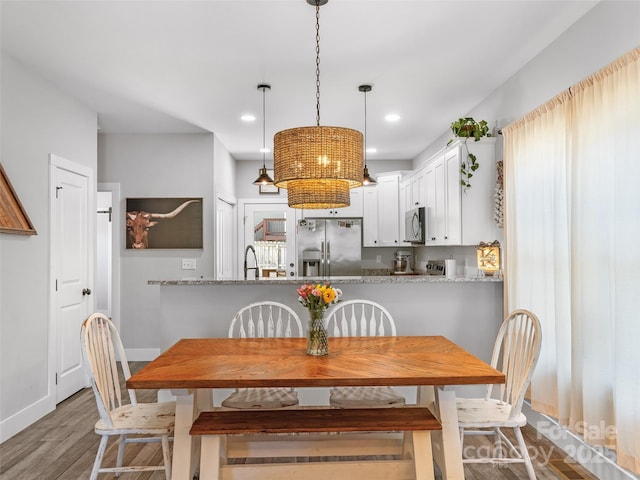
414	444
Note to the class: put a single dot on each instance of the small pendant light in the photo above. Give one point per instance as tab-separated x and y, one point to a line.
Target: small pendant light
366	178
264	178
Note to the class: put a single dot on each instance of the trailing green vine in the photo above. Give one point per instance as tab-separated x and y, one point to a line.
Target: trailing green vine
467	127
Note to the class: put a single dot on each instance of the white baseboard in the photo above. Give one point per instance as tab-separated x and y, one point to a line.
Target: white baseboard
594	459
141	354
25	417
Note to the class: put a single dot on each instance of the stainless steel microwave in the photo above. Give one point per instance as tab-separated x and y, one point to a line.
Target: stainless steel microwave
415	225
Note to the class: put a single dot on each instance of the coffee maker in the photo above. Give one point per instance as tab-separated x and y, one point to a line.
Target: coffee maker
402	262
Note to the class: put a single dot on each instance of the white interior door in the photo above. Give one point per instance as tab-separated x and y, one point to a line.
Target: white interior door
225	240
71	269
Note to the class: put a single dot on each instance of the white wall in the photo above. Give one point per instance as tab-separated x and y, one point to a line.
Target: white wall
606	32
36	120
163	165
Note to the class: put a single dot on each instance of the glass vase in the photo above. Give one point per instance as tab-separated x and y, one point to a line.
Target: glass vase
317	339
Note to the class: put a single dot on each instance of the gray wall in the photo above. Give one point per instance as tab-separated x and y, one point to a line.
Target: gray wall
167	165
36	120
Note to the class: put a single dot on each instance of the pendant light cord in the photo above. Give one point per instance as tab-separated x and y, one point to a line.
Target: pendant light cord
264	153
365	128
318	63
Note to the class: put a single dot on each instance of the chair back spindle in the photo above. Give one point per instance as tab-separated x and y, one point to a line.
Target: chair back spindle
266	319
360	318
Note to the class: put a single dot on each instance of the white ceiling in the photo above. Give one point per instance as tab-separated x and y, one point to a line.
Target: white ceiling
192	66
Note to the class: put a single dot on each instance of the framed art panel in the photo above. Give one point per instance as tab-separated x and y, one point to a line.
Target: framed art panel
13	217
154	223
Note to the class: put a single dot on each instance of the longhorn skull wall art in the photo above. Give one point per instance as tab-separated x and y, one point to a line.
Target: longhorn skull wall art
164	223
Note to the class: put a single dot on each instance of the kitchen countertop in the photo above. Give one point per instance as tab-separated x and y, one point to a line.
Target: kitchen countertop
373	279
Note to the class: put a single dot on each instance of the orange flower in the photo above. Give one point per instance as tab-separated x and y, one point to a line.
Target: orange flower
329	295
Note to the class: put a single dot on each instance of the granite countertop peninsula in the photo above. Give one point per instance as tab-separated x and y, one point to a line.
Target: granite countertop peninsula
369	279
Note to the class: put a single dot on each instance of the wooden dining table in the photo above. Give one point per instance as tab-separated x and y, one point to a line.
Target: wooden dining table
192	368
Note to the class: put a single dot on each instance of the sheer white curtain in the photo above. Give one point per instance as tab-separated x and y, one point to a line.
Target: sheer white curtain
572	194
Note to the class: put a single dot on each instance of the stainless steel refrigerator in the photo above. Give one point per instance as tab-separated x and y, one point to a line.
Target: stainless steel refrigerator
329	247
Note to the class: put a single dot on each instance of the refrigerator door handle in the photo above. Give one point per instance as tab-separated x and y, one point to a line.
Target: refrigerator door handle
321	267
327	262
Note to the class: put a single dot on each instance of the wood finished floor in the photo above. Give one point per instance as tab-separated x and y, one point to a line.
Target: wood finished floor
62	446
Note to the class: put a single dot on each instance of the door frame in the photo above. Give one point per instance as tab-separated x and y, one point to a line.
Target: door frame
242	203
117	244
57	162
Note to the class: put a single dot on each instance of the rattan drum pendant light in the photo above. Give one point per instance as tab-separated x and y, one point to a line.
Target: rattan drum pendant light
318	165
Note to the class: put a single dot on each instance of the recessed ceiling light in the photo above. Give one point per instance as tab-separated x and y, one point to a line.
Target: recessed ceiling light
265	150
248	118
392	117
372	150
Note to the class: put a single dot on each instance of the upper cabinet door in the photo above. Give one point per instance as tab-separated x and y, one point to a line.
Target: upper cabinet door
388	211
418	188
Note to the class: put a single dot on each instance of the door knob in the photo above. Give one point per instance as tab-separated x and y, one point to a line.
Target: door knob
86	291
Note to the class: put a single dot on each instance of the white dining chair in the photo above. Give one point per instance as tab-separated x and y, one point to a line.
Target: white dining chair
363	318
147	422
264	320
515	353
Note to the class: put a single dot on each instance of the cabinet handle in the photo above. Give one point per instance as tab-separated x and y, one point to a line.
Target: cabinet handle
433	238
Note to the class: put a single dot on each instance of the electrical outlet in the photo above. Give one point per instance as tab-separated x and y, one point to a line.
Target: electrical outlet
188	264
379	258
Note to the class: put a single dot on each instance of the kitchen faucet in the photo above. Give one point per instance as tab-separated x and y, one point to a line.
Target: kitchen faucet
255	258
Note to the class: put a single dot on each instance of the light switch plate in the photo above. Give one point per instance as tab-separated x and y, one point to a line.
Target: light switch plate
188	264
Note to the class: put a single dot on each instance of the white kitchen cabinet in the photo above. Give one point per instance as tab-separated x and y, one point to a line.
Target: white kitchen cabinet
353	210
370	217
456	216
381	219
404	199
435	201
417	188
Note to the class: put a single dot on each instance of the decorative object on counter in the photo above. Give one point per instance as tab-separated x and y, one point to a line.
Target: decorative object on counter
317	298
467	127
488	255
318	165
435	267
366	179
498	215
264	179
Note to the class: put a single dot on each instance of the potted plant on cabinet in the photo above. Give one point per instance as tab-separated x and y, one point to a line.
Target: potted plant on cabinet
467	127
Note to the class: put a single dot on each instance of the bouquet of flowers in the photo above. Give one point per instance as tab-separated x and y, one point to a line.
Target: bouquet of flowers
317	298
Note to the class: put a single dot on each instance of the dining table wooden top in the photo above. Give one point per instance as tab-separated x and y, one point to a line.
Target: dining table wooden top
195	363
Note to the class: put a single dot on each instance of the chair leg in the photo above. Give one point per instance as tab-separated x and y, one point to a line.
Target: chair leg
166	454
99	456
498	445
123	442
525	453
